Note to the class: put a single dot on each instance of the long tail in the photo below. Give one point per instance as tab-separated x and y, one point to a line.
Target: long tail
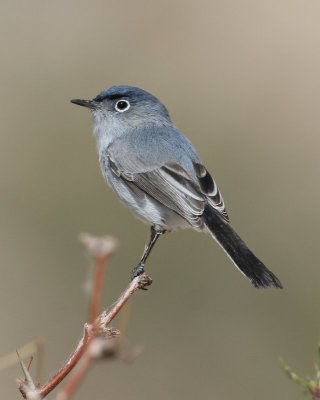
238	251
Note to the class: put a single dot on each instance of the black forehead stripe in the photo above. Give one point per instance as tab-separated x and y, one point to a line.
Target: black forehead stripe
109	97
133	95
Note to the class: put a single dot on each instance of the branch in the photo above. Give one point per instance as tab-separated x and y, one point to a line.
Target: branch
95	341
102	323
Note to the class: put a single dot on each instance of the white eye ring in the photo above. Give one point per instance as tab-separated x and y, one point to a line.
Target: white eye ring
122	105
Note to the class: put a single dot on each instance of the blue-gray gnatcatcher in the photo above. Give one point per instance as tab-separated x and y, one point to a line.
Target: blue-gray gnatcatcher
157	173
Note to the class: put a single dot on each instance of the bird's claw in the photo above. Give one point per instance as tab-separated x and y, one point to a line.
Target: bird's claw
138	270
145	280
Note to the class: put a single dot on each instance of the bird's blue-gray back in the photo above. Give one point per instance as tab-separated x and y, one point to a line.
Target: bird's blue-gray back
150	146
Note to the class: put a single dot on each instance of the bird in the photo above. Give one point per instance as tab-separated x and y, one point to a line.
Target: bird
156	172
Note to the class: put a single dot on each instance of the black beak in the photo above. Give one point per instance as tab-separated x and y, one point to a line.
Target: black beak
85	103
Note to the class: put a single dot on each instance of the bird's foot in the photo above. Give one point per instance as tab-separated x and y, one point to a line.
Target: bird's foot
138	270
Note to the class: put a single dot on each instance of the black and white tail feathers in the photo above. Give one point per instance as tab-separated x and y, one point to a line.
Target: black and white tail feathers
238	251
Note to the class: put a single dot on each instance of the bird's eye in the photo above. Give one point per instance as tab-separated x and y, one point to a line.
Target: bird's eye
122	105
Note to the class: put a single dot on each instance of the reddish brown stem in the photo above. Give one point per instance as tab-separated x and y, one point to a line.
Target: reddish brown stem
96	295
137	283
94	310
70	364
72	385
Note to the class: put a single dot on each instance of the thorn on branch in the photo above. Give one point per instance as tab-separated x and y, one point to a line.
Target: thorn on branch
27	387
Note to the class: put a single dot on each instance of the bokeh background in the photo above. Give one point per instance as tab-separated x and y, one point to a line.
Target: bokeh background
241	79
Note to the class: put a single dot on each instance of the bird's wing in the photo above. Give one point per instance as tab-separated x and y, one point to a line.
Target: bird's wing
171	186
170	171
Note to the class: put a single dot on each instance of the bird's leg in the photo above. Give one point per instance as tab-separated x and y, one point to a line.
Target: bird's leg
139	269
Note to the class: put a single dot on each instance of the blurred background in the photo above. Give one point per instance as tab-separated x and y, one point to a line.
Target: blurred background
241	80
